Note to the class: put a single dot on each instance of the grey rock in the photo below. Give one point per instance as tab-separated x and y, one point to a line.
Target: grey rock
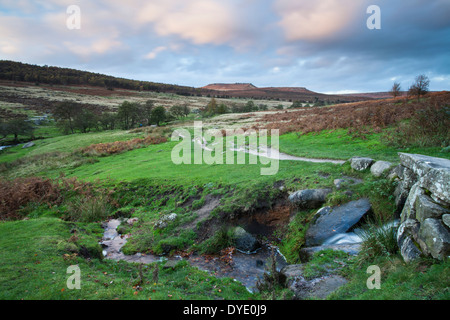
307	253
446	220
434	173
409	211
317	288
164	221
244	241
293	270
310	198
407	239
436	237
360	163
329	221
346	181
426	208
379	167
28	145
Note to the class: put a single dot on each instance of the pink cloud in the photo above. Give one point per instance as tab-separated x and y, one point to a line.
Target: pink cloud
315	20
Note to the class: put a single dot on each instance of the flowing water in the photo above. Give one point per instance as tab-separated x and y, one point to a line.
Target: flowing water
245	268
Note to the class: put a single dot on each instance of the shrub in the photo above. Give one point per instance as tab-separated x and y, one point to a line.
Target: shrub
104	149
17	193
427	128
378	240
89	208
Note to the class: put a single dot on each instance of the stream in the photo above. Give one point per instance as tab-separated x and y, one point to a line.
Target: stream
245	268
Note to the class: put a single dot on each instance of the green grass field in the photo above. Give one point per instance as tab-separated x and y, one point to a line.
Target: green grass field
36	252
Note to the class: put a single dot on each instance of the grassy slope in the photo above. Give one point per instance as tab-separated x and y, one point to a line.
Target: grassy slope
337	144
25	271
33	266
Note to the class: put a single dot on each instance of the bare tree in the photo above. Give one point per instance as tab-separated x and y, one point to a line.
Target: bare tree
419	87
396	90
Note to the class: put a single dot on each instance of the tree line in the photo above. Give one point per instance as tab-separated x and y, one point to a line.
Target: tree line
17	71
72	117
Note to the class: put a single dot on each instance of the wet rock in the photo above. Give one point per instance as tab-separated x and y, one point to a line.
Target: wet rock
360	163
307	253
329	221
317	288
310	198
380	167
244	241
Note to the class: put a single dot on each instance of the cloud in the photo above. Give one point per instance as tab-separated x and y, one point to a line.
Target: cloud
315	20
152	54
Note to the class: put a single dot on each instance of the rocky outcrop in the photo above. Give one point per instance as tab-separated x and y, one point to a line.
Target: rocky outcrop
423	200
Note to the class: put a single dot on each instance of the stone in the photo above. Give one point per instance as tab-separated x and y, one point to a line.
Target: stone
310	198
446	220
409	211
328	221
346	181
164	221
408	238
360	163
132	221
307	253
28	145
434	173
436	237
293	270
244	241
317	288
379	167
426	208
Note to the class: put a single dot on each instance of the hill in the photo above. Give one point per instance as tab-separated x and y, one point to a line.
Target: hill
249	91
22	72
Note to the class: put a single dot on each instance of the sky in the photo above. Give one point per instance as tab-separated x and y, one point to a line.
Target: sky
323	45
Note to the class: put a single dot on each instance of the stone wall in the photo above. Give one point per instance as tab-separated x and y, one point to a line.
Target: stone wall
423	202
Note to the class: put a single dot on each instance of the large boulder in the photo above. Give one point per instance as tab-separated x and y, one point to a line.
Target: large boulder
360	163
310	198
329	221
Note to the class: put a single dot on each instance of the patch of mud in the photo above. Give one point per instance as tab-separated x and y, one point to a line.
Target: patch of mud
211	202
